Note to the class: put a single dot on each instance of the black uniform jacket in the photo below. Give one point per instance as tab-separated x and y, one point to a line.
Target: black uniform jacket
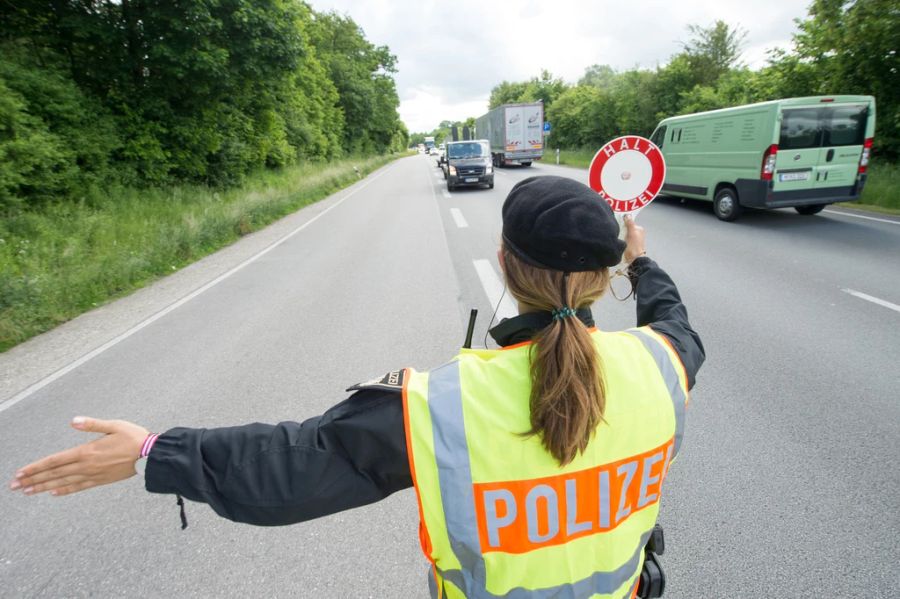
355	453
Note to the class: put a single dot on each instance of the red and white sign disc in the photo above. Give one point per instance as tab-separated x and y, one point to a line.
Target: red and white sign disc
627	172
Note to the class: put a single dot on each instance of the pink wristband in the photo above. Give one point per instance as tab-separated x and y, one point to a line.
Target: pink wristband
148	444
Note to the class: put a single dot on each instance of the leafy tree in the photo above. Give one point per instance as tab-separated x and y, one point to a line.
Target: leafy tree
581	117
152	92
852	47
713	51
363	76
507	93
544	89
599	75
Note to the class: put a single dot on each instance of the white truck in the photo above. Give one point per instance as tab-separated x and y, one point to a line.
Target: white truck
515	132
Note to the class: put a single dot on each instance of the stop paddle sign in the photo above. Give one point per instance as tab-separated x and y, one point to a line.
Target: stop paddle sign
627	172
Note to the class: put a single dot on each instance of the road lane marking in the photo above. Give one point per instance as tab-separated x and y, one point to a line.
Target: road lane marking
881	220
493	287
872	299
459	218
445	193
33	388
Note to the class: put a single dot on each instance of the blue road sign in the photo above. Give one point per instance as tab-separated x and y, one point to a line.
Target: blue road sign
546	127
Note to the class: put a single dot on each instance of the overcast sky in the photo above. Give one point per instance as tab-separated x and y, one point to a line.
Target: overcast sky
451	53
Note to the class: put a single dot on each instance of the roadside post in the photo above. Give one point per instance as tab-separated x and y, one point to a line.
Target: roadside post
546	135
627	173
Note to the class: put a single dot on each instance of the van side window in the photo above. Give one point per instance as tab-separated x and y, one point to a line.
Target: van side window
659	137
800	129
845	125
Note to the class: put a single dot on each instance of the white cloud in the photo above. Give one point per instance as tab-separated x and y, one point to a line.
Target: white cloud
450	54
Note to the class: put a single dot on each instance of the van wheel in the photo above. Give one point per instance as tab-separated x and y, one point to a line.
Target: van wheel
726	205
810	210
526	163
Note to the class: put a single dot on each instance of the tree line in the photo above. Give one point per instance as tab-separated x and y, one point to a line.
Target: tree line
150	92
842	47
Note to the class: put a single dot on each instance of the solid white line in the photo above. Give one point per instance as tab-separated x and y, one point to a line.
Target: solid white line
881	220
494	290
872	299
446	194
173	306
459	218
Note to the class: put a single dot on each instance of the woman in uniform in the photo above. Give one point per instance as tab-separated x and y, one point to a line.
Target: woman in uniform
538	467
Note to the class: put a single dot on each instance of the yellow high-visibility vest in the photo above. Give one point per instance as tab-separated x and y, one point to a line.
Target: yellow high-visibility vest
499	516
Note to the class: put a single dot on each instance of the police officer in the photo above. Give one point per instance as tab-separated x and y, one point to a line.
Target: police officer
538	467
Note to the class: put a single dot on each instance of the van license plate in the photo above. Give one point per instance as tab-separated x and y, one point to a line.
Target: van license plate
804	176
472	180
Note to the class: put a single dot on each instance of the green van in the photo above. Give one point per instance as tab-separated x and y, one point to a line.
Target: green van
804	153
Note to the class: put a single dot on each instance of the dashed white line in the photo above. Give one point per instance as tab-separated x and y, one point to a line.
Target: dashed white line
873	299
31	389
494	290
881	220
459	218
445	193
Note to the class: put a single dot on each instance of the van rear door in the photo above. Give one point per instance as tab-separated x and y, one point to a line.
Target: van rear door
799	146
843	135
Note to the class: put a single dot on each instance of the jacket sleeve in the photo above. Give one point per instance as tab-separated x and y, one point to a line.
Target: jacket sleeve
271	475
659	306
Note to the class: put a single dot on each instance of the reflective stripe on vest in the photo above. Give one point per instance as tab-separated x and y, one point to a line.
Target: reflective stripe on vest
482	517
670	376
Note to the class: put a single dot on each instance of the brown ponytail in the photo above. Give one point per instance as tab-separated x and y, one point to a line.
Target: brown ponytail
567	389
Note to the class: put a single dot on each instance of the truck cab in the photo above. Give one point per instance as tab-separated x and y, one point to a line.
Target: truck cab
468	163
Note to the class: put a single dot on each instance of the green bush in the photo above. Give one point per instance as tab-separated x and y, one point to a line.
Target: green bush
54	140
882	188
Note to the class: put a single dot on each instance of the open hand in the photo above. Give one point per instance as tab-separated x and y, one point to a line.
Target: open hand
105	460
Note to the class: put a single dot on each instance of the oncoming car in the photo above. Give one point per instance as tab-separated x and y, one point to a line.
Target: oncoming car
468	163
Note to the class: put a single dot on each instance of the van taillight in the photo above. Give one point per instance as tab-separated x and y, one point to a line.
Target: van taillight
768	163
864	159
827	100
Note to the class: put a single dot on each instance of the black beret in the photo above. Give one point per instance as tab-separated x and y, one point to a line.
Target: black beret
560	224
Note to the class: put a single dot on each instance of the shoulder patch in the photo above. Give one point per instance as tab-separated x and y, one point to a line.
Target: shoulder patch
392	381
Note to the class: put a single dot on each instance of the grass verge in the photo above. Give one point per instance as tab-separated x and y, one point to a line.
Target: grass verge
882	190
68	258
881	193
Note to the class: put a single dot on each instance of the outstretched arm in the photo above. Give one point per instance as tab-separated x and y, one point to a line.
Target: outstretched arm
352	455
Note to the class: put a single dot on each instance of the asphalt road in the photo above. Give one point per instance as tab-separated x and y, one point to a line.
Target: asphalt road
787	484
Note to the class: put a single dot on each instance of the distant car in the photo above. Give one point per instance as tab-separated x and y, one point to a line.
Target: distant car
434	151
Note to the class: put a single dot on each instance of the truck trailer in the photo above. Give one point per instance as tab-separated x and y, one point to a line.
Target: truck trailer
515	133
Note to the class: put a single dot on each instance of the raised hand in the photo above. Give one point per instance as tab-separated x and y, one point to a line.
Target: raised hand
634	240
